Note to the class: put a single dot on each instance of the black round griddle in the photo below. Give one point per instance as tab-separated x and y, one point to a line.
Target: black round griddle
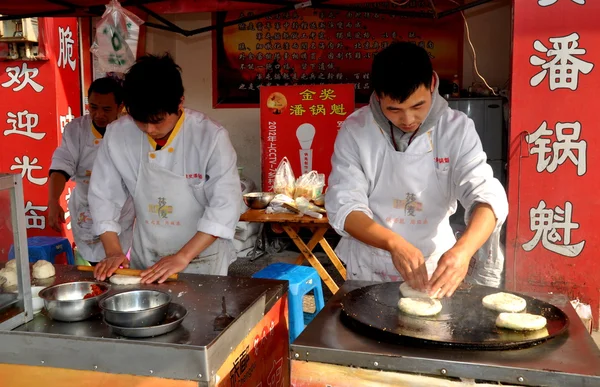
463	322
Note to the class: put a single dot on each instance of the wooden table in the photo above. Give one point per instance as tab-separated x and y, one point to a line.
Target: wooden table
318	226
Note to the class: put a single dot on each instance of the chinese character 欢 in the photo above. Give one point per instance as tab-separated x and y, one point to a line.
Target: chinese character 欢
65	40
23	123
297	110
546	222
338	109
567	142
32	219
545	3
318	109
307	95
15	74
327	94
64	120
26	168
564	67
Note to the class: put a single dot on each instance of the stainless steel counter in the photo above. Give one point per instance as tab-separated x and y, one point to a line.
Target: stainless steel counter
194	351
572	359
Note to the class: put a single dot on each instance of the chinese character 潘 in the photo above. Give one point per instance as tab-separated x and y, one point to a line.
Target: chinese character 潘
27	167
546	223
65	40
23	123
567	146
22	77
564	67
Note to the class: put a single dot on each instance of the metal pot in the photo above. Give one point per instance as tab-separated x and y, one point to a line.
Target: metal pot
258	200
136	308
64	302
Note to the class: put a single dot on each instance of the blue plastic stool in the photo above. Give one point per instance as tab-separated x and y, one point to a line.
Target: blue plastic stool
302	279
46	248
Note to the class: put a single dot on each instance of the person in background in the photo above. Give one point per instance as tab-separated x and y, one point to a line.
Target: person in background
180	168
398	168
74	159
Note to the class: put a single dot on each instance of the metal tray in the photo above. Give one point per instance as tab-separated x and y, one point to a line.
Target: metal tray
463	321
175	315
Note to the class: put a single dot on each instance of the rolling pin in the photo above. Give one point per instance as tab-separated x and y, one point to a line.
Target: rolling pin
131	272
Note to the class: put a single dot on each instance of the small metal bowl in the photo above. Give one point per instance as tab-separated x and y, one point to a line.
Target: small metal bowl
64	302
136	308
175	315
258	200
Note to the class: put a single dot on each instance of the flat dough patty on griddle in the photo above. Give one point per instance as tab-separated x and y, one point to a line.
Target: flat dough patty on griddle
504	302
521	321
420	306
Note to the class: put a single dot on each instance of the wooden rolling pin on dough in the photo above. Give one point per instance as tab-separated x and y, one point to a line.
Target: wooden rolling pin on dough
131	272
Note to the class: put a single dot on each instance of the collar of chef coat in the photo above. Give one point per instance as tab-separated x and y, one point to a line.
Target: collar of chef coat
173	134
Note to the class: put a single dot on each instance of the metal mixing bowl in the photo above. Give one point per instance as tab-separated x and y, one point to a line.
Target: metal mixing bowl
136	308
258	200
64	302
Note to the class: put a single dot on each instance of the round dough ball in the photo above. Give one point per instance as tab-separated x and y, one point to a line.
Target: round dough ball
521	321
408	291
420	306
43	269
119	279
12	264
10	276
504	302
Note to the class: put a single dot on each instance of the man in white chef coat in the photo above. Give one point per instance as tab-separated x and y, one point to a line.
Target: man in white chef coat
180	168
399	166
74	159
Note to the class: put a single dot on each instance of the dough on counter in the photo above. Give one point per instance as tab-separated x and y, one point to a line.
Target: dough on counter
504	302
43	269
408	291
10	276
520	321
12	264
119	279
420	306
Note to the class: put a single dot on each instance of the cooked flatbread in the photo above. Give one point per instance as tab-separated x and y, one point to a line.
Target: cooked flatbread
119	279
420	306
504	302
520	321
408	291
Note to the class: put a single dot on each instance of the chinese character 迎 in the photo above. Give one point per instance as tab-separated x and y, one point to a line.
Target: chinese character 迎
546	222
318	109
26	168
307	95
327	94
564	67
338	109
15	74
32	219
567	141
65	56
297	110
545	3
23	123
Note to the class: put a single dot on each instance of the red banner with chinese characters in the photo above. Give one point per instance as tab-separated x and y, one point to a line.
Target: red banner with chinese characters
316	46
39	99
301	123
552	239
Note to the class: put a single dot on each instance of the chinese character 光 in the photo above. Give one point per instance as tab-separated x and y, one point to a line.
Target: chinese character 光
545	3
23	123
26	74
65	40
307	95
327	94
567	142
318	109
297	110
338	109
546	222
32	219
564	67
26	168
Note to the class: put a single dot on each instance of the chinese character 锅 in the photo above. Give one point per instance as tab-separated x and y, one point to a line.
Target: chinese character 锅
23	123
27	167
32	219
65	40
546	222
22	77
318	109
567	146
564	67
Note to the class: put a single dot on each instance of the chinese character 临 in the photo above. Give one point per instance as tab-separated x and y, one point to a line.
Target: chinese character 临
566	146
546	223
564	67
327	94
26	74
23	123
545	3
26	169
32	219
64	120
297	110
307	95
65	41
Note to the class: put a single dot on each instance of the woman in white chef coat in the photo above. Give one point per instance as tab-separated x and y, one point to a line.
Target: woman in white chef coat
74	159
399	166
180	168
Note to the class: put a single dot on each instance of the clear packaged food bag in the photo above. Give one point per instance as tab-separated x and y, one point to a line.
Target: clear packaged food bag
310	185
285	181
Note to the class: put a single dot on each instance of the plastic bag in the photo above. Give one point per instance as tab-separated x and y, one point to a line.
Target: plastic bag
584	311
310	185
276	205
116	40
285	182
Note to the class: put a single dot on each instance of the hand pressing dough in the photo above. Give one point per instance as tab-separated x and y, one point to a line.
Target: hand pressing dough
43	269
520	321
420	306
12	264
119	279
10	276
408	291
504	302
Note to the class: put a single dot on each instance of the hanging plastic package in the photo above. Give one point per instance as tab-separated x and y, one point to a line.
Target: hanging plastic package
116	39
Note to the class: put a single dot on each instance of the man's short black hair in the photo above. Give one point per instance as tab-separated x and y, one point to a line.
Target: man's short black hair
400	69
107	85
153	88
